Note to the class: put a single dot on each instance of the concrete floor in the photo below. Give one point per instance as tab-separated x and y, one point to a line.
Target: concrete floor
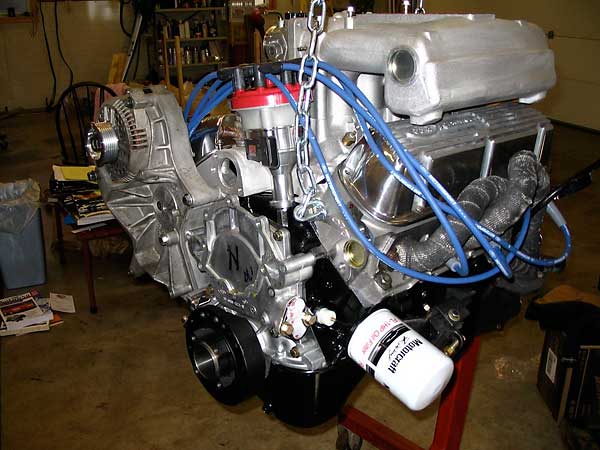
121	379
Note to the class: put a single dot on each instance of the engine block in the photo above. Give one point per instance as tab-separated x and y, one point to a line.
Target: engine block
294	310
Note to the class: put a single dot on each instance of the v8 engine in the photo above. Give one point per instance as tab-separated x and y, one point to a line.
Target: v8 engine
369	204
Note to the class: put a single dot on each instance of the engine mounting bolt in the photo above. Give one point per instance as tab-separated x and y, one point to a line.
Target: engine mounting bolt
426	307
286	329
188	200
453	315
278	235
170	238
383	279
309	319
295	352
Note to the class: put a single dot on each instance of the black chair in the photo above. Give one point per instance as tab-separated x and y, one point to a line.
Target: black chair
74	113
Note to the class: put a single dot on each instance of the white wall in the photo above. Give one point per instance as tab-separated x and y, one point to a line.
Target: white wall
90	34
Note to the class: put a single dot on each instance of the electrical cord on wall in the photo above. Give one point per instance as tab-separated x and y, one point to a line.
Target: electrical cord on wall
60	52
122	4
49	103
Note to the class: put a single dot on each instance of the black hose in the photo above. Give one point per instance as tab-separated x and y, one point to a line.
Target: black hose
573	184
122	4
60	52
49	104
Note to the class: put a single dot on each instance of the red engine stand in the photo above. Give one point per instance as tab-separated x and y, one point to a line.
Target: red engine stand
450	420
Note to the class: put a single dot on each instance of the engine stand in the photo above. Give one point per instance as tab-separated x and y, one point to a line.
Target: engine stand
354	425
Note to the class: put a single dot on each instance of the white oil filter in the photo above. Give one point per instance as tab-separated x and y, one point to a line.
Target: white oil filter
399	358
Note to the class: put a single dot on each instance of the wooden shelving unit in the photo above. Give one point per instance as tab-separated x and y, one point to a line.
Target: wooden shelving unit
167	48
207	64
218	38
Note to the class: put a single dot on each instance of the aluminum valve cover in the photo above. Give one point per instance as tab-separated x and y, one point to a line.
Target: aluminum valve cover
452	149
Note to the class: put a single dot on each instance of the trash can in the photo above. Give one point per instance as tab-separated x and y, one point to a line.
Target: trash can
22	254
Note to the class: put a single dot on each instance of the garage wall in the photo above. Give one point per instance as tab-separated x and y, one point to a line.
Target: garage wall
576	26
90	34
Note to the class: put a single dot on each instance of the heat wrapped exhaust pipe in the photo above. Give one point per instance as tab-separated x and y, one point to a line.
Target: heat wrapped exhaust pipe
496	202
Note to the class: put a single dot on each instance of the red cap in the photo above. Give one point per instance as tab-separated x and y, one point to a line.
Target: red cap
262	97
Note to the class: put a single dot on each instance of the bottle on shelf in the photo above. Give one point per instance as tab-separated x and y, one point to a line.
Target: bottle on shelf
171	56
188	55
212	27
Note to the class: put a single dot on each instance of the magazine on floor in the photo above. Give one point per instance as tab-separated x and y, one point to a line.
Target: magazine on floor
20	311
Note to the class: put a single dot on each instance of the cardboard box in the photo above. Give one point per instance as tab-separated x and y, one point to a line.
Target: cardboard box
569	378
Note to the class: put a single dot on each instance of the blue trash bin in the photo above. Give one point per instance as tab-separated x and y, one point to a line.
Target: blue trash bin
22	253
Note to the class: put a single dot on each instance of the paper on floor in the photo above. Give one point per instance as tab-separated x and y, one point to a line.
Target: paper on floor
62	303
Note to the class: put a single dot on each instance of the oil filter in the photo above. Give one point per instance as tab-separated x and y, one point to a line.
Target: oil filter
399	358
